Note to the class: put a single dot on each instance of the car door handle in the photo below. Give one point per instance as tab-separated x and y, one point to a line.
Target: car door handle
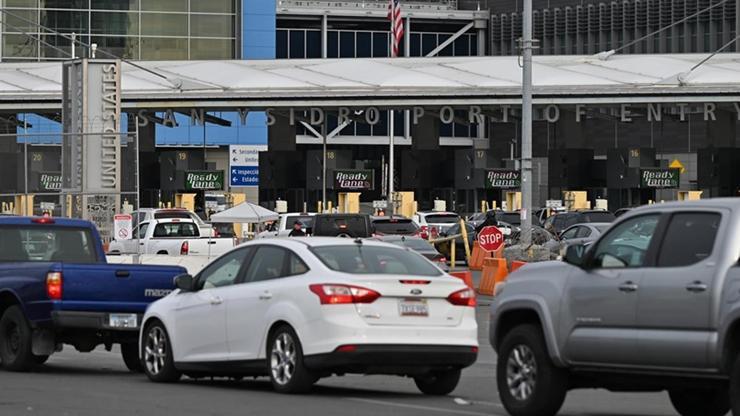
696	287
266	296
216	300
628	287
122	273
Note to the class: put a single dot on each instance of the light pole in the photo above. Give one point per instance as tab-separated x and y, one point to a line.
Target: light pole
526	45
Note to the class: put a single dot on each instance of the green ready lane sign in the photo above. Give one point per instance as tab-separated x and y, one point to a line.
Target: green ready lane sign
196	180
660	178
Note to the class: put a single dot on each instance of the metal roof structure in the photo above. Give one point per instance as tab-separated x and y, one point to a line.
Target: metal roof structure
392	82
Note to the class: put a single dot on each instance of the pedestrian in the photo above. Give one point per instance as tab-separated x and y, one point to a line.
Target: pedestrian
297	230
490	220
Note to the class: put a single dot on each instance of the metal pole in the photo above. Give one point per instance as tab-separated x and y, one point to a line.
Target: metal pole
325	36
323	175
737	24
391	190
25	165
74	39
526	236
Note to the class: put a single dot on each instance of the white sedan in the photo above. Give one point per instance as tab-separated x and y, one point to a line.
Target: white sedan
300	309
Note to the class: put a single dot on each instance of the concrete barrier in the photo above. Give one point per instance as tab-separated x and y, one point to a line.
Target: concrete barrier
192	263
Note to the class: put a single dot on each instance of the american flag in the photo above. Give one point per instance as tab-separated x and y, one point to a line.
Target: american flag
394	15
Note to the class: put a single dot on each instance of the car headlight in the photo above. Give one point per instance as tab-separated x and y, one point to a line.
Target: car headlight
498	289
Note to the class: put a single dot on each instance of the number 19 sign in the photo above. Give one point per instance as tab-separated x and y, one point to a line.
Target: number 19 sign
490	238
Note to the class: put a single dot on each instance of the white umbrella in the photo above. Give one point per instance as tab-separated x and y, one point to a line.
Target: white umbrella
245	213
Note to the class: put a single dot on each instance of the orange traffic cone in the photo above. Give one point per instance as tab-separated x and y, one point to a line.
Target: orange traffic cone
476	257
494	272
465	276
517	264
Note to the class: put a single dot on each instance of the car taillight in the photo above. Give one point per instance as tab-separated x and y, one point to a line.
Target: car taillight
465	297
346	348
43	220
54	285
184	248
330	294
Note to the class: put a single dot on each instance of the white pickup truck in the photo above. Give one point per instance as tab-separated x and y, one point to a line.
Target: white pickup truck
284	225
173	236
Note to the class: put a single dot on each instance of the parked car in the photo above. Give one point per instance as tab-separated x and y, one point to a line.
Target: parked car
342	225
148	214
583	233
559	222
420	246
651	305
56	288
284	225
297	310
433	223
171	237
394	225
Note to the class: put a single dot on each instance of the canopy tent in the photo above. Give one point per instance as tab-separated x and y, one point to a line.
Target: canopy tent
245	213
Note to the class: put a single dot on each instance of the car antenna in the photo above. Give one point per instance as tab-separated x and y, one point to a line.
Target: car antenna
358	240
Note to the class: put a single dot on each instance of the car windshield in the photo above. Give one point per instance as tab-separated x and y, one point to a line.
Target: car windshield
604	216
305	220
513	218
361	259
62	244
442	218
394	226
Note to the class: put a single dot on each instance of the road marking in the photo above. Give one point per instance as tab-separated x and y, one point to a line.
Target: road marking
412	406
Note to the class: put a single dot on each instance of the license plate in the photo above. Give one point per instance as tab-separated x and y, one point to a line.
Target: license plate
413	307
123	320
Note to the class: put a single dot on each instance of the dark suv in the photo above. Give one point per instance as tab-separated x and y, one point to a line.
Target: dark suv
342	225
559	222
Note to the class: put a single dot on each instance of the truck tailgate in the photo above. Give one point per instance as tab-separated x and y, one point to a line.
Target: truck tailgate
115	287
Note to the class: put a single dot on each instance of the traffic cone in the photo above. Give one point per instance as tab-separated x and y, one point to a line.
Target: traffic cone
488	277
465	276
517	264
477	256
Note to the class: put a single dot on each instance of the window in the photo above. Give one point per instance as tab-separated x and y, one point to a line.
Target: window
296	266
267	264
604	216
211	48
281	45
305	220
442	219
164	24
56	244
175	230
570	233
583	232
395	226
677	250
627	244
347	44
208	25
297	44
142	230
361	259
313	44
225	270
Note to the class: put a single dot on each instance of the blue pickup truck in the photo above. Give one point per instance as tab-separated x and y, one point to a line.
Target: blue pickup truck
56	288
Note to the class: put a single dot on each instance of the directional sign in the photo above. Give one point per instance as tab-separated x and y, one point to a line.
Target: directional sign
676	164
490	238
244	164
122	226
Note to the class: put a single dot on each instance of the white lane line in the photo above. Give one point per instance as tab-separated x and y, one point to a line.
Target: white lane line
412	406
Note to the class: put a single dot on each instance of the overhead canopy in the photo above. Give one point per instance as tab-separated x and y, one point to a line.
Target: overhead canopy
245	212
399	81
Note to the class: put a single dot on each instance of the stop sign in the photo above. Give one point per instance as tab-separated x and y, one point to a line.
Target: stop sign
490	238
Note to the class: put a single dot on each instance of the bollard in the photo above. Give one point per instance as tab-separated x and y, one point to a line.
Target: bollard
452	254
464	232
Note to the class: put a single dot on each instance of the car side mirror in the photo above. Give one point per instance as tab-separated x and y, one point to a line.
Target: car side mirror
575	255
184	282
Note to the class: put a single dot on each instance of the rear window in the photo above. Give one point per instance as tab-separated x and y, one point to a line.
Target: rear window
394	226
605	216
513	218
305	220
163	215
354	226
359	259
175	229
442	219
48	243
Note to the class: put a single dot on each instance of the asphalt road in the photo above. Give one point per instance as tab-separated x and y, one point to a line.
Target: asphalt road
97	384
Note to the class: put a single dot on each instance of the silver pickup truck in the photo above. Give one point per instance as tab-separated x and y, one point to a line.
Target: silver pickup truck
653	305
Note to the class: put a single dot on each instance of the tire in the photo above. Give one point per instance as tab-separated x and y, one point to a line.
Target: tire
439	383
523	355
698	402
15	341
130	354
40	359
285	363
156	353
735	387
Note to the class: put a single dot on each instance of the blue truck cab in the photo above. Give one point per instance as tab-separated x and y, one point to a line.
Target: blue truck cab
56	288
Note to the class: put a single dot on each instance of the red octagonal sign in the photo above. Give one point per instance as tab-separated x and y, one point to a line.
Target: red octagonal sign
490	238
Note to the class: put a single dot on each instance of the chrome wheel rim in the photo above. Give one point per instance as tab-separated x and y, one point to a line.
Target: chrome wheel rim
155	350
521	372
283	359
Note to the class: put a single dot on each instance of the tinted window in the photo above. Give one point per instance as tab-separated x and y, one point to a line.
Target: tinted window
224	271
175	230
513	218
266	264
306	221
627	243
442	219
395	226
296	265
142	230
569	233
354	226
583	232
47	243
677	250
359	259
171	214
605	216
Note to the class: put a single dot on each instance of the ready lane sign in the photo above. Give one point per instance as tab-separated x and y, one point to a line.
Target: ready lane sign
490	238
244	164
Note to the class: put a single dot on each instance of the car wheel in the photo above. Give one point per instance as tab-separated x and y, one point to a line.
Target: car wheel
156	352
529	384
15	341
285	361
734	392
700	402
439	383
130	354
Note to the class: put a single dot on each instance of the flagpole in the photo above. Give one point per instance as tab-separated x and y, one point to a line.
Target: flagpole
391	158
